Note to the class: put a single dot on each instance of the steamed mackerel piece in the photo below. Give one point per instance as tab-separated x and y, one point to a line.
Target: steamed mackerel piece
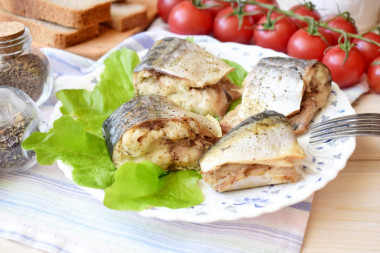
293	87
154	128
261	150
187	74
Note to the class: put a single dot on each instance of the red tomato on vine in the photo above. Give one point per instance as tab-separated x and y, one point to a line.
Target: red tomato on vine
305	46
260	11
346	70
369	50
226	27
185	18
345	23
373	75
217	6
274	35
307	9
164	8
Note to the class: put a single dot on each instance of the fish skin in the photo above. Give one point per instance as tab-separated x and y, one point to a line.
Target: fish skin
255	141
142	109
275	83
287	62
184	59
308	85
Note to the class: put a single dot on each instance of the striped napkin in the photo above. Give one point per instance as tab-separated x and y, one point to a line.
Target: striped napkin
43	209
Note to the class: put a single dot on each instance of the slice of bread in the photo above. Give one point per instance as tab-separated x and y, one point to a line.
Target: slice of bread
70	13
125	16
52	34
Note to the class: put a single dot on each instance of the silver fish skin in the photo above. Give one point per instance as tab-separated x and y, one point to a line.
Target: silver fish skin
188	75
259	151
294	87
133	129
186	60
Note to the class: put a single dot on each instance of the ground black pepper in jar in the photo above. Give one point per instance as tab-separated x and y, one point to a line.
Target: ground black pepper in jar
22	66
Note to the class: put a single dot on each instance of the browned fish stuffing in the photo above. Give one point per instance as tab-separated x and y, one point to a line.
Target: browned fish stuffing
294	87
188	75
261	150
154	128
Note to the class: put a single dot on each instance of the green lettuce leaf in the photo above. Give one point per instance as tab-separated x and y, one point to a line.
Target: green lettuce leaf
79	143
191	39
85	152
148	185
234	104
115	87
237	76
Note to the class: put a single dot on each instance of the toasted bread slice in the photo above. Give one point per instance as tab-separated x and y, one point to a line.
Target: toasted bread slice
70	13
125	16
52	34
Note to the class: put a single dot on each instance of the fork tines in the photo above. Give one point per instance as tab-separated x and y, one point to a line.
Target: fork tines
351	125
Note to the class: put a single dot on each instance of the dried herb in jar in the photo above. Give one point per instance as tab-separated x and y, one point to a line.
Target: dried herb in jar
11	136
21	65
27	72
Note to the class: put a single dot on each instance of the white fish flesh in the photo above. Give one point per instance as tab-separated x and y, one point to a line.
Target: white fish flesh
293	87
188	75
261	150
153	128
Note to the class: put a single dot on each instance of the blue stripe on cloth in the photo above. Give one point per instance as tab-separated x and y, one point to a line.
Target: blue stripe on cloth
144	40
30	239
70	68
304	206
154	240
63	213
242	229
277	233
157	238
43	182
201	227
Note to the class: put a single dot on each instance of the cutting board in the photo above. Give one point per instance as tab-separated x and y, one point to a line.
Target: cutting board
109	38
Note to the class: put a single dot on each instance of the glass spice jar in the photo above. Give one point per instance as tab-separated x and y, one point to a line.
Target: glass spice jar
21	65
19	117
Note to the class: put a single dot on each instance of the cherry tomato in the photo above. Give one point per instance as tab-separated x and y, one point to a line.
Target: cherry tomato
185	18
226	27
369	51
261	12
307	9
373	74
276	39
327	36
164	8
219	5
344	73
340	23
305	46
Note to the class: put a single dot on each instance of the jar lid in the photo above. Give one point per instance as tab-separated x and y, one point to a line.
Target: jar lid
11	30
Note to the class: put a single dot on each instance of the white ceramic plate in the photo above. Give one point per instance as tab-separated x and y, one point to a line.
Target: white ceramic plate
322	164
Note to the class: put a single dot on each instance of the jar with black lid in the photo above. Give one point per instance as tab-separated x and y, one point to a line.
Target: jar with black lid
21	65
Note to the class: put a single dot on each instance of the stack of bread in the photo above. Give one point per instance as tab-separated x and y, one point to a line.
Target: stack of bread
64	23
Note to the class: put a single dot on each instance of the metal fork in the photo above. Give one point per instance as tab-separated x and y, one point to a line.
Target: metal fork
352	125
